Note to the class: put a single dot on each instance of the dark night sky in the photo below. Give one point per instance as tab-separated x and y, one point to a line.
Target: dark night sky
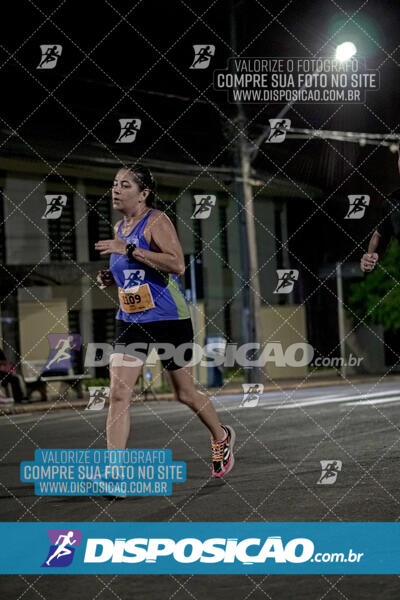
127	52
138	56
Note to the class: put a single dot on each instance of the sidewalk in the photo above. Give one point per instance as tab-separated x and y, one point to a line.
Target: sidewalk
315	380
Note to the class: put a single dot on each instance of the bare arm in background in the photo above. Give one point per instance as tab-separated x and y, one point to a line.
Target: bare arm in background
370	258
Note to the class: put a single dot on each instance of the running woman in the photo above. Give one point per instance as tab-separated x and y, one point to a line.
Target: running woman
146	259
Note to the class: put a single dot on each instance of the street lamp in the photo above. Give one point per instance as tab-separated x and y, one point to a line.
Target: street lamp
345	51
243	158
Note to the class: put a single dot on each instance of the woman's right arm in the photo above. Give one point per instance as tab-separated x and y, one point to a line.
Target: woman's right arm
104	277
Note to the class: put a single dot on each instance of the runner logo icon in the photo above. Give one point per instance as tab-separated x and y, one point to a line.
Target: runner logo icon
63	543
286	280
97	397
251	394
357	205
54	205
204	204
129	129
202	56
133	278
50	55
278	131
330	470
62	348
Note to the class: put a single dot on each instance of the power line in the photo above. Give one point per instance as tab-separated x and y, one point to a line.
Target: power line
388	140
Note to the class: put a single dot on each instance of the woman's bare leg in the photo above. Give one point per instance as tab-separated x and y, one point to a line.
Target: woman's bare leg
185	391
123	378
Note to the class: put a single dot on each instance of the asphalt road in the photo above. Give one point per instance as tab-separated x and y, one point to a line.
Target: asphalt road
280	443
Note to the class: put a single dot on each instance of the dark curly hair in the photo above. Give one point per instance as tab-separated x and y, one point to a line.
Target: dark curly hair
145	180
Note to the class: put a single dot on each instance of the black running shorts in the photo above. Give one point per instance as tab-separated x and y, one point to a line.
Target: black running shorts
172	339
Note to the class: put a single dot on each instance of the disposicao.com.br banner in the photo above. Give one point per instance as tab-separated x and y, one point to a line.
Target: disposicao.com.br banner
200	548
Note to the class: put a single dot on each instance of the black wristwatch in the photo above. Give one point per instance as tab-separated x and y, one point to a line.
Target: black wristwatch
129	250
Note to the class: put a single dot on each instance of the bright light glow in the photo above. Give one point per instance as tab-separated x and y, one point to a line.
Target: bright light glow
345	51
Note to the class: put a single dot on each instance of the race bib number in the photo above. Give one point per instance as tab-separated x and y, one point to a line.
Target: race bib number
136	299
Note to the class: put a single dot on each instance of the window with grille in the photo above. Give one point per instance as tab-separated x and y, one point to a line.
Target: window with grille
99	222
61	233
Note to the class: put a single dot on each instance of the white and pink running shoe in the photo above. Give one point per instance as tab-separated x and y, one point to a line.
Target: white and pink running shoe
222	453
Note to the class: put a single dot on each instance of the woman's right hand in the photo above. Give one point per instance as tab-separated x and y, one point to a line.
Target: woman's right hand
105	279
368	262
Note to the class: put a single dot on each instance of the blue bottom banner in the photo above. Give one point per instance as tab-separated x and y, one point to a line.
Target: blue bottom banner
203	548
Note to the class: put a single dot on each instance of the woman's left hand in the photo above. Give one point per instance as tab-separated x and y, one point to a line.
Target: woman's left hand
115	246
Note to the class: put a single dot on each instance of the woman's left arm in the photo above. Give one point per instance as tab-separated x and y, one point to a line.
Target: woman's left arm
169	255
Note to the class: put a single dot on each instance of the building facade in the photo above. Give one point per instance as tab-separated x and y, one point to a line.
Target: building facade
50	264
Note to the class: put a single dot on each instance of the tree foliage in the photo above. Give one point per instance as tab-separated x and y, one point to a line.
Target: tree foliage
376	298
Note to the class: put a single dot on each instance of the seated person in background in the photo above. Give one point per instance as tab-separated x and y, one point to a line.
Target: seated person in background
8	375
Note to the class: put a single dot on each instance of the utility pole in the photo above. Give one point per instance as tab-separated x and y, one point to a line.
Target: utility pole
251	317
341	322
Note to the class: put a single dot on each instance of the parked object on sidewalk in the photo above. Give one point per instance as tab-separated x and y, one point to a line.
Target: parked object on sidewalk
216	349
4	399
35	381
9	376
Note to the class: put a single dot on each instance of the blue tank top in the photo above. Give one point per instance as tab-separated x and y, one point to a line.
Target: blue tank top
168	298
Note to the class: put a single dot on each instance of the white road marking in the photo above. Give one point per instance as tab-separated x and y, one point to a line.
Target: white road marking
332	399
380	401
